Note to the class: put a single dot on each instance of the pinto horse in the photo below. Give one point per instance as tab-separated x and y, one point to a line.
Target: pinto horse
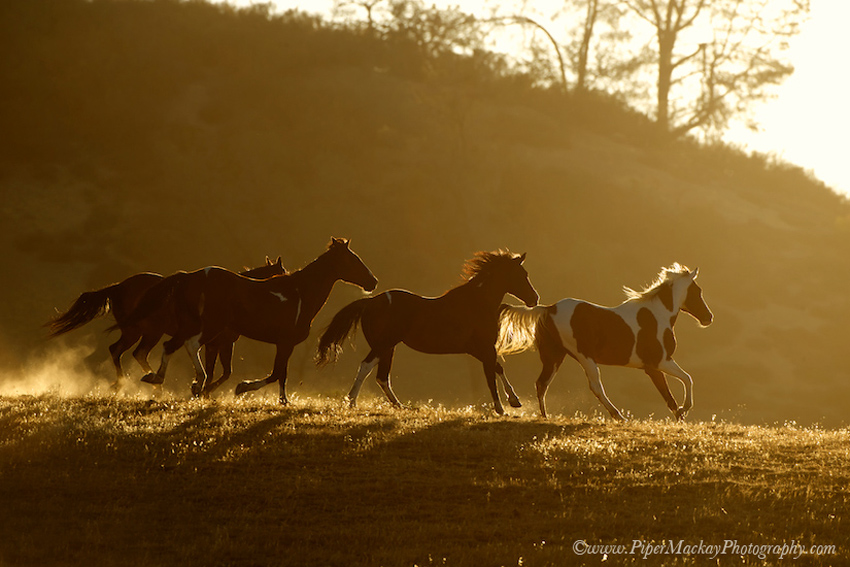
278	310
121	299
465	319
637	333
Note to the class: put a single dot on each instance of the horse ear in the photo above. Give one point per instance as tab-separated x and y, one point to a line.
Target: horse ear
279	262
268	261
694	274
522	257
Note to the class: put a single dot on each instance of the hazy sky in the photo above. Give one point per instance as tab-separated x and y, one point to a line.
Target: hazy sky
807	124
809	121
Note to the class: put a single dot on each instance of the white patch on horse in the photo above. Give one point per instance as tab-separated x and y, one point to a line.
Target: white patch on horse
280	296
207	270
297	312
389	298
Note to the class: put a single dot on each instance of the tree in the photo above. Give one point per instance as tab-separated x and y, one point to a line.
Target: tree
595	50
345	9
724	74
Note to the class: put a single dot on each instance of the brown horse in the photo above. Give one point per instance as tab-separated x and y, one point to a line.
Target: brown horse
278	310
637	333
464	320
121	299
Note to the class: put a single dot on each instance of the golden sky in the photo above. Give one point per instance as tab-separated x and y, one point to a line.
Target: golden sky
806	124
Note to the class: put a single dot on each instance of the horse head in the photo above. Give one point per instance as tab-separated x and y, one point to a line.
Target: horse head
694	304
349	266
518	283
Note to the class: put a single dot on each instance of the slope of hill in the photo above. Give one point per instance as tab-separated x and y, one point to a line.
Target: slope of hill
162	136
175	482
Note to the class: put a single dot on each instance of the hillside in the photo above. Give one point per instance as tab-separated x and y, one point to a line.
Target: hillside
157	136
133	482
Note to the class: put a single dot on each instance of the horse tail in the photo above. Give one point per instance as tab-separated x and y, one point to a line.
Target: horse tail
155	298
341	327
518	328
89	306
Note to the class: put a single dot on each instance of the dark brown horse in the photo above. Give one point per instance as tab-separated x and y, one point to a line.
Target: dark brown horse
278	310
464	320
122	298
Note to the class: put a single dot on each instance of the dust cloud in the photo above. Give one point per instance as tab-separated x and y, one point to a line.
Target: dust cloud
62	370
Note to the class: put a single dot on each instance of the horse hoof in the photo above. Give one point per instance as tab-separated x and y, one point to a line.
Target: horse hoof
515	403
153	378
197	390
500	411
241	388
680	414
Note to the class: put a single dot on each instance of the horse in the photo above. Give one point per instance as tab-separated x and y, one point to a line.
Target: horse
637	333
464	320
278	310
121	299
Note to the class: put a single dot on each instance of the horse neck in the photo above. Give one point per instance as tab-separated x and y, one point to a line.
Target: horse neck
315	281
655	305
659	309
488	293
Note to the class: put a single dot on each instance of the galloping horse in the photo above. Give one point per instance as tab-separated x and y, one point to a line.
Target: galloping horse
462	320
637	333
278	310
122	298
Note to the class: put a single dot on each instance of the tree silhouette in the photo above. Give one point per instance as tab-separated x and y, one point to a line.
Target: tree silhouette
736	66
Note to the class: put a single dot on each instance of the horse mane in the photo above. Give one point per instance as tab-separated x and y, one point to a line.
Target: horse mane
486	262
665	276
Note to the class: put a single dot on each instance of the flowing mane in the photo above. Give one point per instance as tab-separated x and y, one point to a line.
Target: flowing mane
485	262
666	275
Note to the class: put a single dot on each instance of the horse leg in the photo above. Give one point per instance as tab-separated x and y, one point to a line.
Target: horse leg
509	390
670	367
385	363
168	348
281	361
224	351
116	350
547	374
142	351
594	379
193	349
551	355
490	375
210	356
660	382
487	356
365	369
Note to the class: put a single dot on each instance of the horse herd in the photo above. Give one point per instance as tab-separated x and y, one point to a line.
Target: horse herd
213	307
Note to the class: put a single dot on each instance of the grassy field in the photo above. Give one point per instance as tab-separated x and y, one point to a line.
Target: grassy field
124	481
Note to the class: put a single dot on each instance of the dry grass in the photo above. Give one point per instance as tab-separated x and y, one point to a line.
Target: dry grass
106	481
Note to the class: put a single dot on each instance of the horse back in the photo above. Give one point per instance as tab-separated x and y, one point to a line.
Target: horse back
259	309
431	325
631	334
126	295
599	333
